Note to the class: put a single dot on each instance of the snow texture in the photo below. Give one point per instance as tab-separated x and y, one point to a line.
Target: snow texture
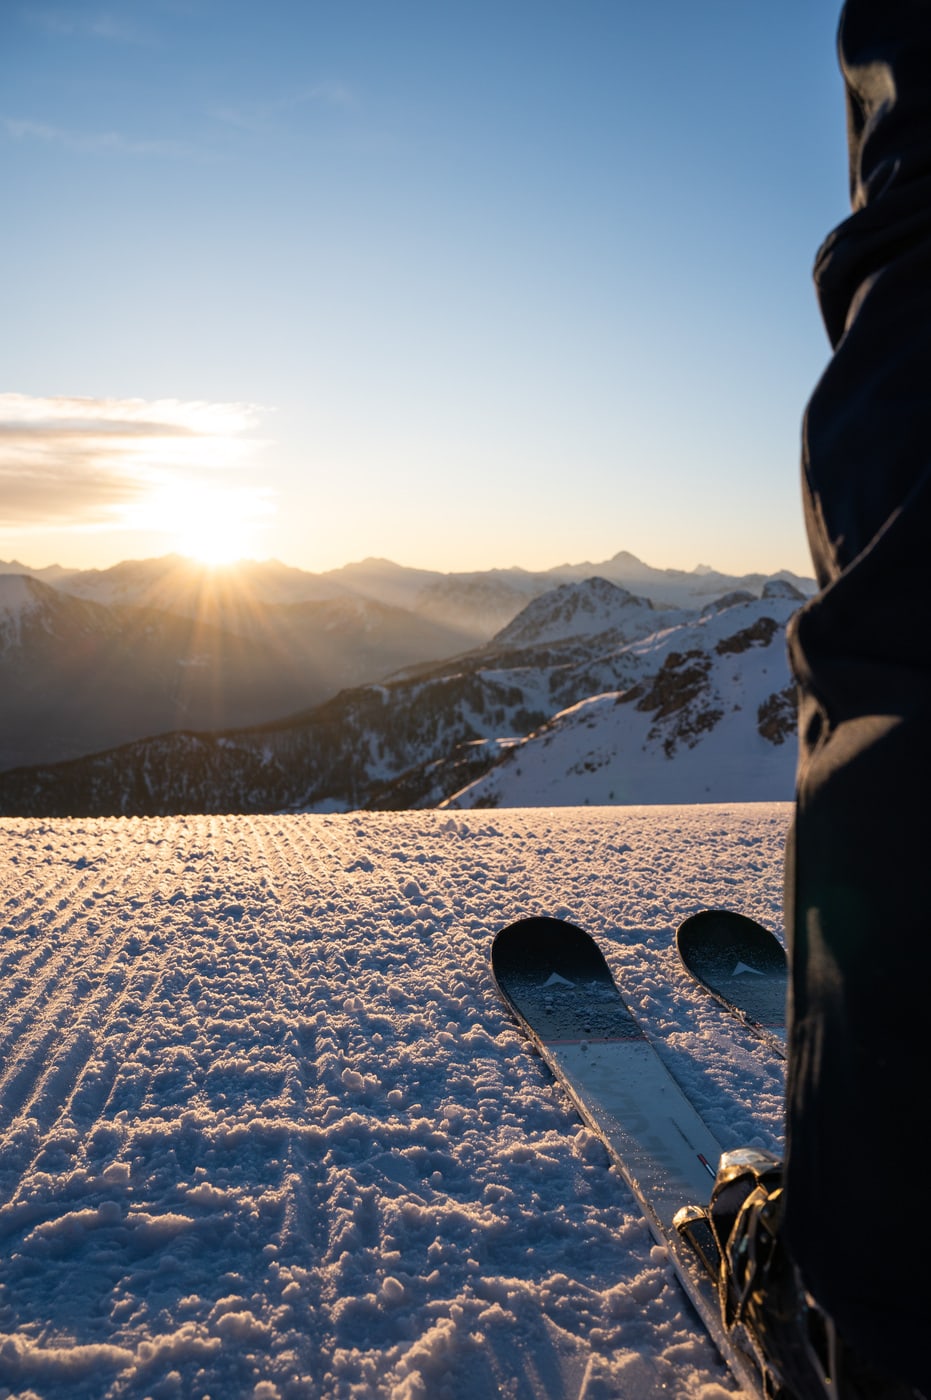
268	1131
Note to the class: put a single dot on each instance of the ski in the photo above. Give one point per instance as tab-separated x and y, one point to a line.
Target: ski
744	968
555	980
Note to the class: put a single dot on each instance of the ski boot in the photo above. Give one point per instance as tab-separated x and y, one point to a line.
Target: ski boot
764	1304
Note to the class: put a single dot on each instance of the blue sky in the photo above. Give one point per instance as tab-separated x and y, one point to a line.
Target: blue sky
462	283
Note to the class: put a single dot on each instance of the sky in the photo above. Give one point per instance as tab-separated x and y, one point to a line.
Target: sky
461	283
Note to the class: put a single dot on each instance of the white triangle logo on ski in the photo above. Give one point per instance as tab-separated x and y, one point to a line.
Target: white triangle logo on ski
745	967
554	980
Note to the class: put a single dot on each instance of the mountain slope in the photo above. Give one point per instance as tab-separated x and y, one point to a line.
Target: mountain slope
707	721
77	676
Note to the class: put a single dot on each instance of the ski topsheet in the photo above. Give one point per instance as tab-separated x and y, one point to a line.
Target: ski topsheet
555	979
743	966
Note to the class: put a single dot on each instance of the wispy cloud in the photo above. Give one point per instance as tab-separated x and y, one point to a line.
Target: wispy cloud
90	142
255	118
93	24
94	463
261	116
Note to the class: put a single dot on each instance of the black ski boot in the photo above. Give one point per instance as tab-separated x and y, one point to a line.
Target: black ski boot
764	1304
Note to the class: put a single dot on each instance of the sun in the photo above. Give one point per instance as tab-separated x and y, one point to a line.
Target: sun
212	524
215	541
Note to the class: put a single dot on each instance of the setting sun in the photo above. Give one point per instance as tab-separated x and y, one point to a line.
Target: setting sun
212	524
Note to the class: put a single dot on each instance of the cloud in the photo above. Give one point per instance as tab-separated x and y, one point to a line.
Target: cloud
100	24
93	463
258	117
264	116
329	94
90	142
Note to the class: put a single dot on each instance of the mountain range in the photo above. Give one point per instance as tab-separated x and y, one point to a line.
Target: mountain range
589	691
478	603
97	658
78	675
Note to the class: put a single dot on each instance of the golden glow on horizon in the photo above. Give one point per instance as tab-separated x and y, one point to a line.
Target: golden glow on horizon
212	524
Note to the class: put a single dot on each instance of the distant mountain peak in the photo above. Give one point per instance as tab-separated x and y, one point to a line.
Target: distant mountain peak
586	608
19	593
371	561
782	588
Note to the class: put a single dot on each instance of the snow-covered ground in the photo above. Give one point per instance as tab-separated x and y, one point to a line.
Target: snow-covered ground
268	1131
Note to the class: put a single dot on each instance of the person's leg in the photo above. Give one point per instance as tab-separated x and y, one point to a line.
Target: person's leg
858	912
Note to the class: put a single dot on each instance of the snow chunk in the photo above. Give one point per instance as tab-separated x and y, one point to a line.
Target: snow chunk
26	1360
392	1290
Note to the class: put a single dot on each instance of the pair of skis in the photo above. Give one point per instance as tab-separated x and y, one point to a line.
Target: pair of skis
555	979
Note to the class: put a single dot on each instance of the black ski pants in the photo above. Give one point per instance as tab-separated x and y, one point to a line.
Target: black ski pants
858	893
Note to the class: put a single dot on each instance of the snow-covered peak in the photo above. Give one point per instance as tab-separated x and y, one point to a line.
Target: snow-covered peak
700	711
19	596
782	588
575	610
17	591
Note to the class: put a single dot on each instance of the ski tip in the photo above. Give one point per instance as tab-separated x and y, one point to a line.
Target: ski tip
556	980
713	930
539	940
